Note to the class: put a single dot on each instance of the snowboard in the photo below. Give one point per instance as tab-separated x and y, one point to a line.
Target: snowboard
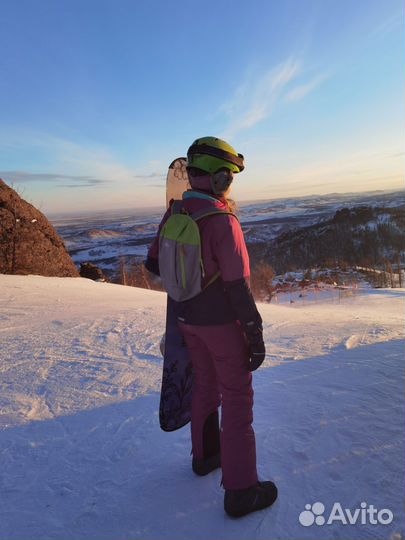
177	180
177	376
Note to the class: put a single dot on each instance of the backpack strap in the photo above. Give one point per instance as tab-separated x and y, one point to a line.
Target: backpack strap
214	278
177	207
200	214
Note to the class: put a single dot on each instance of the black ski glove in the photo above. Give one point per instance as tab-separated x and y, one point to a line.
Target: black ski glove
257	349
257	355
244	305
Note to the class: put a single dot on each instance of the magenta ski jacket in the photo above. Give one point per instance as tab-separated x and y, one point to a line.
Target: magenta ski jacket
223	250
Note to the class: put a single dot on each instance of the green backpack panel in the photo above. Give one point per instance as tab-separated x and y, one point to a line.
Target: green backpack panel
180	263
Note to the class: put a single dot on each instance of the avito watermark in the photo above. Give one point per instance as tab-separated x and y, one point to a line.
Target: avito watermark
365	515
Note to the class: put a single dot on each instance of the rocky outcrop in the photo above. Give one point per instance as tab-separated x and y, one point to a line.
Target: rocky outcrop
91	271
28	242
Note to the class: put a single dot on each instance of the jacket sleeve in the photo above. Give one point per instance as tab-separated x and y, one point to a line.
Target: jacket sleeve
242	301
233	261
152	259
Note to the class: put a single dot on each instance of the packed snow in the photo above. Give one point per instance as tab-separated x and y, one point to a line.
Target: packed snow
83	455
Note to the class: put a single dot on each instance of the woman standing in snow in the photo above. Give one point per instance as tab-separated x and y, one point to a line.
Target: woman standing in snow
223	332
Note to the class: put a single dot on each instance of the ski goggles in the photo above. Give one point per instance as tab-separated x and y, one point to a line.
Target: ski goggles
223	175
221	180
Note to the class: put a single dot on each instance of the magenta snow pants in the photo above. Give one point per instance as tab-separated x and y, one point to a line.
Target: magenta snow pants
219	356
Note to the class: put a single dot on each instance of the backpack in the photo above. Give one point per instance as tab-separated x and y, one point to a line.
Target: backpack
180	262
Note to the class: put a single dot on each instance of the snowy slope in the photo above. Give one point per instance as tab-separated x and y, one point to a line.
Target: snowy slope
82	453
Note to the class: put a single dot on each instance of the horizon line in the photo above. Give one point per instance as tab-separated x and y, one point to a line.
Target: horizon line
78	213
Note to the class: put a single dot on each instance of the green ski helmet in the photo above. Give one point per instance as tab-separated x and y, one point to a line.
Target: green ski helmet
211	154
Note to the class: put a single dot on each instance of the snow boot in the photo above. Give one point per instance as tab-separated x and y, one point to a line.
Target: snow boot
211	447
201	467
239	502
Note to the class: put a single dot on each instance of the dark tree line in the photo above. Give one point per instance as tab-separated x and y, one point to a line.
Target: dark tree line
354	236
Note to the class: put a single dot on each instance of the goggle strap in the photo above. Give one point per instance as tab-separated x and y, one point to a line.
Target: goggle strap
218	153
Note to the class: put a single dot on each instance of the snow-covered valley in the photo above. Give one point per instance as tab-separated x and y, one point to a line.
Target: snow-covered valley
82	452
105	238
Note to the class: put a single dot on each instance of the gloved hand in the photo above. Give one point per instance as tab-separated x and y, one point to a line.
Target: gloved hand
257	353
242	301
257	350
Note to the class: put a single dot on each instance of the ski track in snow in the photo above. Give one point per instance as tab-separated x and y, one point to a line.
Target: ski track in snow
82	452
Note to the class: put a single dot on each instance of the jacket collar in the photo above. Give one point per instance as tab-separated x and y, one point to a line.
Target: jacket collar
194	194
200	194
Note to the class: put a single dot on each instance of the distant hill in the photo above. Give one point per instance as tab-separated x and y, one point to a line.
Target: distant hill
100	233
363	235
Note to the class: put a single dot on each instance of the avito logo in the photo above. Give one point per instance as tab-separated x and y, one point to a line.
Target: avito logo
366	514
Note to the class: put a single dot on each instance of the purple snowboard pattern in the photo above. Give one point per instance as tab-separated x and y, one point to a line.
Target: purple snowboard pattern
177	379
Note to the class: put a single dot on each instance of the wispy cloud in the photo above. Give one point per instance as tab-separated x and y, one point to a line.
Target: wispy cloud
396	155
302	90
56	178
151	175
254	99
80	164
389	25
74	186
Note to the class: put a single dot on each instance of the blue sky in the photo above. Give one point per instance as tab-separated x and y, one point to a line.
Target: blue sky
97	97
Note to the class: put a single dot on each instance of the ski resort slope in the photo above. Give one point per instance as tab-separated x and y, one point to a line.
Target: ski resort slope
82	454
